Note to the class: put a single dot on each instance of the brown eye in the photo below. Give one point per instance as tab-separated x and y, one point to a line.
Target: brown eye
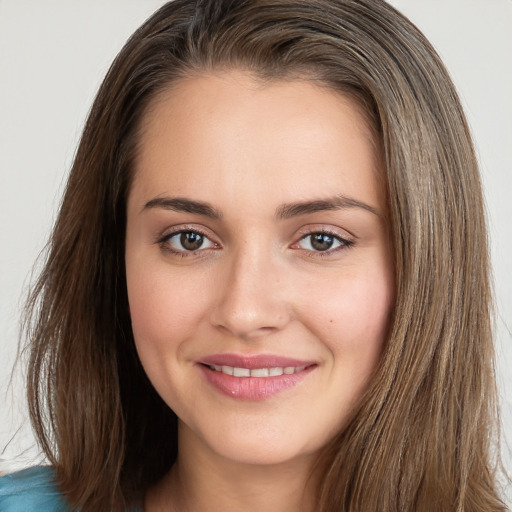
322	241
191	241
186	241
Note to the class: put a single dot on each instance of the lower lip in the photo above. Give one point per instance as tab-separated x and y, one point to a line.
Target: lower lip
253	388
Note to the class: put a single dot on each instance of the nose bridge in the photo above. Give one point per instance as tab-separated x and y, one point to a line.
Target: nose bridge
251	301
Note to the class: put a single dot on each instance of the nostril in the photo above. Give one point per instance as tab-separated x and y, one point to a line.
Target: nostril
252	323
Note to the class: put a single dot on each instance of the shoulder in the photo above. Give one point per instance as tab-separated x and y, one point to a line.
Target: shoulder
31	490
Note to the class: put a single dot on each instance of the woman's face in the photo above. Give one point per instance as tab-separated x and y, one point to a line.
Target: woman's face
258	262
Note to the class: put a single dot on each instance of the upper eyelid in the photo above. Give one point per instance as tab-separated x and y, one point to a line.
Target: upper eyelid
328	233
340	233
170	232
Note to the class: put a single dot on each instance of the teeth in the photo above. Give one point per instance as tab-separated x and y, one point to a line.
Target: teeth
229	370
257	372
241	372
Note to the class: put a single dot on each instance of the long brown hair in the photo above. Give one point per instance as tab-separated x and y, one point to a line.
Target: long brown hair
420	438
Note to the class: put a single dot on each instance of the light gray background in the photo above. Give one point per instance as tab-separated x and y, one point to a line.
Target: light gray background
53	55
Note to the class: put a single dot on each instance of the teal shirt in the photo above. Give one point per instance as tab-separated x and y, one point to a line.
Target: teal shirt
32	490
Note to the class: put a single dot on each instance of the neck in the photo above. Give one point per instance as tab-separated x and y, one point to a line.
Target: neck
204	481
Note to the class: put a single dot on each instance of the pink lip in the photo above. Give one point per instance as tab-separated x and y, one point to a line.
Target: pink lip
253	388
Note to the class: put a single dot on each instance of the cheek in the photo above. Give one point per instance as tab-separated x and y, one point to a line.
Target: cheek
352	317
163	308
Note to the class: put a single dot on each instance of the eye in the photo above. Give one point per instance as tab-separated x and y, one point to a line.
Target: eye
322	242
187	241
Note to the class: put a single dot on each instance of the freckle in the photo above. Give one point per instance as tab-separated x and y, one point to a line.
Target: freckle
330	321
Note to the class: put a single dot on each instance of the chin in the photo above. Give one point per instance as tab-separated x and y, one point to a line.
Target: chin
259	446
260	453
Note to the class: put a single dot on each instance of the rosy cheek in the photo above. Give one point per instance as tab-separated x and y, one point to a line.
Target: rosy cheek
162	308
354	315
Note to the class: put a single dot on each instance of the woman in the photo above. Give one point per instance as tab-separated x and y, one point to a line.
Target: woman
259	293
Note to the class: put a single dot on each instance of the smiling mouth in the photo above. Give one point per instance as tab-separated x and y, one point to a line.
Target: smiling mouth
256	378
256	372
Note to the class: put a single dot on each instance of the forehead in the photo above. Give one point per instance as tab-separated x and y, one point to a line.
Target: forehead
229	131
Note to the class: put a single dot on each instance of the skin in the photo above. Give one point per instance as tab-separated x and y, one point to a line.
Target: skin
256	285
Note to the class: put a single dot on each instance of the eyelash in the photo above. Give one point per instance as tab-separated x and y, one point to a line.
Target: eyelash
345	243
163	242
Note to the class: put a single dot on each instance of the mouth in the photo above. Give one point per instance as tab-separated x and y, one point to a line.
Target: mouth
258	373
253	378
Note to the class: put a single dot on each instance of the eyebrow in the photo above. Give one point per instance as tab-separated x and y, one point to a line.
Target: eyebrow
285	211
180	204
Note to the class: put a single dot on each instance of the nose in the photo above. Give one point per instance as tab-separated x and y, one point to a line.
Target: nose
252	299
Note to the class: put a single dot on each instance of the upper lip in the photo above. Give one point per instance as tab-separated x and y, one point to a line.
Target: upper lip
252	362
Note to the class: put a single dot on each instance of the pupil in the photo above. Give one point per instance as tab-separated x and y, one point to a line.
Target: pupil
191	241
321	241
